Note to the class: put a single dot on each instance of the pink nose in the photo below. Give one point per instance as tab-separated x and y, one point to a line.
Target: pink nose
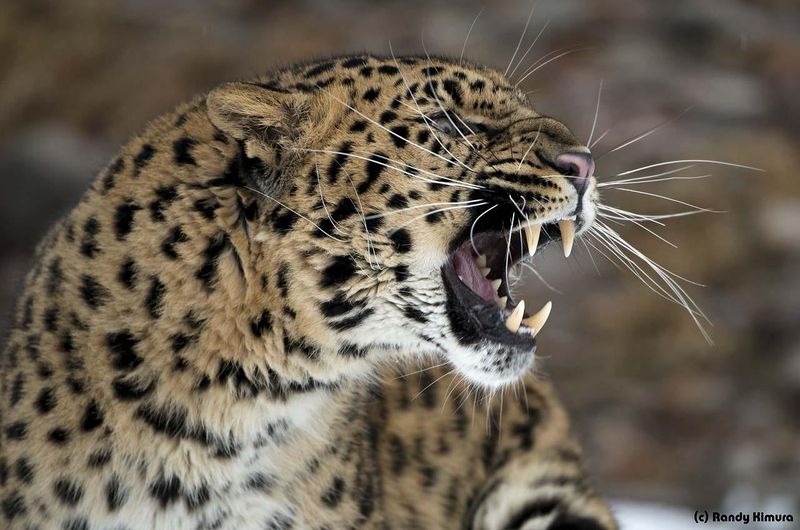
579	167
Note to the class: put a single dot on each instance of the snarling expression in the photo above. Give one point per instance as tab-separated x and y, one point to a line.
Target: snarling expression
407	192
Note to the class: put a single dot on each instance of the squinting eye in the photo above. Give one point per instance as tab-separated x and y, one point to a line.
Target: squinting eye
451	125
444	124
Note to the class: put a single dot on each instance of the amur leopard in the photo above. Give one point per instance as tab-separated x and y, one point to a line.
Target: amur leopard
277	308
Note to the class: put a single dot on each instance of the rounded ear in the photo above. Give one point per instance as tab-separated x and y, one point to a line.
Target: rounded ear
251	111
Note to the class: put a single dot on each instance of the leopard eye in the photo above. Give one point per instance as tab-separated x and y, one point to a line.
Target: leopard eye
450	124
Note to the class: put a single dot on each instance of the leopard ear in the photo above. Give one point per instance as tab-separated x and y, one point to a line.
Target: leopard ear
267	120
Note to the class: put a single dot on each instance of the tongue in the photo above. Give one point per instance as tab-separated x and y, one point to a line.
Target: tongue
471	276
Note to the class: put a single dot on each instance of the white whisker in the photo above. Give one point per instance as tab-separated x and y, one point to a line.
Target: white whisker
670	199
384	127
521	59
591	145
533	70
418	206
469	31
472	227
645	134
596	113
446	182
294	212
633	182
699	161
426	214
521	38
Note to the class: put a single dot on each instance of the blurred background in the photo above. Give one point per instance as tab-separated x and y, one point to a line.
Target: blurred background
664	417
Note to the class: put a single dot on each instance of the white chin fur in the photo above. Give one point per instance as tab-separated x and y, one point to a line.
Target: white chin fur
475	365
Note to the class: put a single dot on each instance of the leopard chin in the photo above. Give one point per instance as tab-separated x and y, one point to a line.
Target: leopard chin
495	335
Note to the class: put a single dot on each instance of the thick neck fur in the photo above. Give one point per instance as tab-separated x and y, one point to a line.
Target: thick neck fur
205	309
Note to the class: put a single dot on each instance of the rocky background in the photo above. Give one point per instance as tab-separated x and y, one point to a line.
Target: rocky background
663	415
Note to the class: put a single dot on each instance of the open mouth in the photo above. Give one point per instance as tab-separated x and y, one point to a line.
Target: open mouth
480	303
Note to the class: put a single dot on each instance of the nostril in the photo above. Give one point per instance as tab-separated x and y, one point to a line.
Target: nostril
578	166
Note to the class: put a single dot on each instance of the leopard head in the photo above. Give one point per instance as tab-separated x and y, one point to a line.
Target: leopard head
399	196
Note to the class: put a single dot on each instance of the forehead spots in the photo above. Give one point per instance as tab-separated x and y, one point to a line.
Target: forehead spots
478	85
453	89
358	126
354	62
387	116
388	69
319	69
371	94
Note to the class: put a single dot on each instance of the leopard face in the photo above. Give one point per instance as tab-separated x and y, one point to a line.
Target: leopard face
402	193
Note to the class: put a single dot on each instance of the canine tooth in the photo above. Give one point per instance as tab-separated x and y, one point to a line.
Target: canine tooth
532	237
502	302
485	271
515	318
496	284
536	322
567	227
481	260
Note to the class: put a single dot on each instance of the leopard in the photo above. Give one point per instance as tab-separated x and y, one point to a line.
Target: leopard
288	304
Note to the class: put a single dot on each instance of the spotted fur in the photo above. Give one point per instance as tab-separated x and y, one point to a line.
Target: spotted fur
212	338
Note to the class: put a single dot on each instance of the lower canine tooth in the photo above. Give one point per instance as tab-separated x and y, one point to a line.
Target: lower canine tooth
536	322
515	318
567	228
496	284
532	238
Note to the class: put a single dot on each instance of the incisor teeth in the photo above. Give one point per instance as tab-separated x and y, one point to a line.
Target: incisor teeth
567	228
496	284
485	271
481	260
515	318
532	237
536	322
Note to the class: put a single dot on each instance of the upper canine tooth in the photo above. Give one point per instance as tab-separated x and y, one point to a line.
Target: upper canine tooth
496	284
532	237
485	271
515	318
567	227
502	302
481	260
536	322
